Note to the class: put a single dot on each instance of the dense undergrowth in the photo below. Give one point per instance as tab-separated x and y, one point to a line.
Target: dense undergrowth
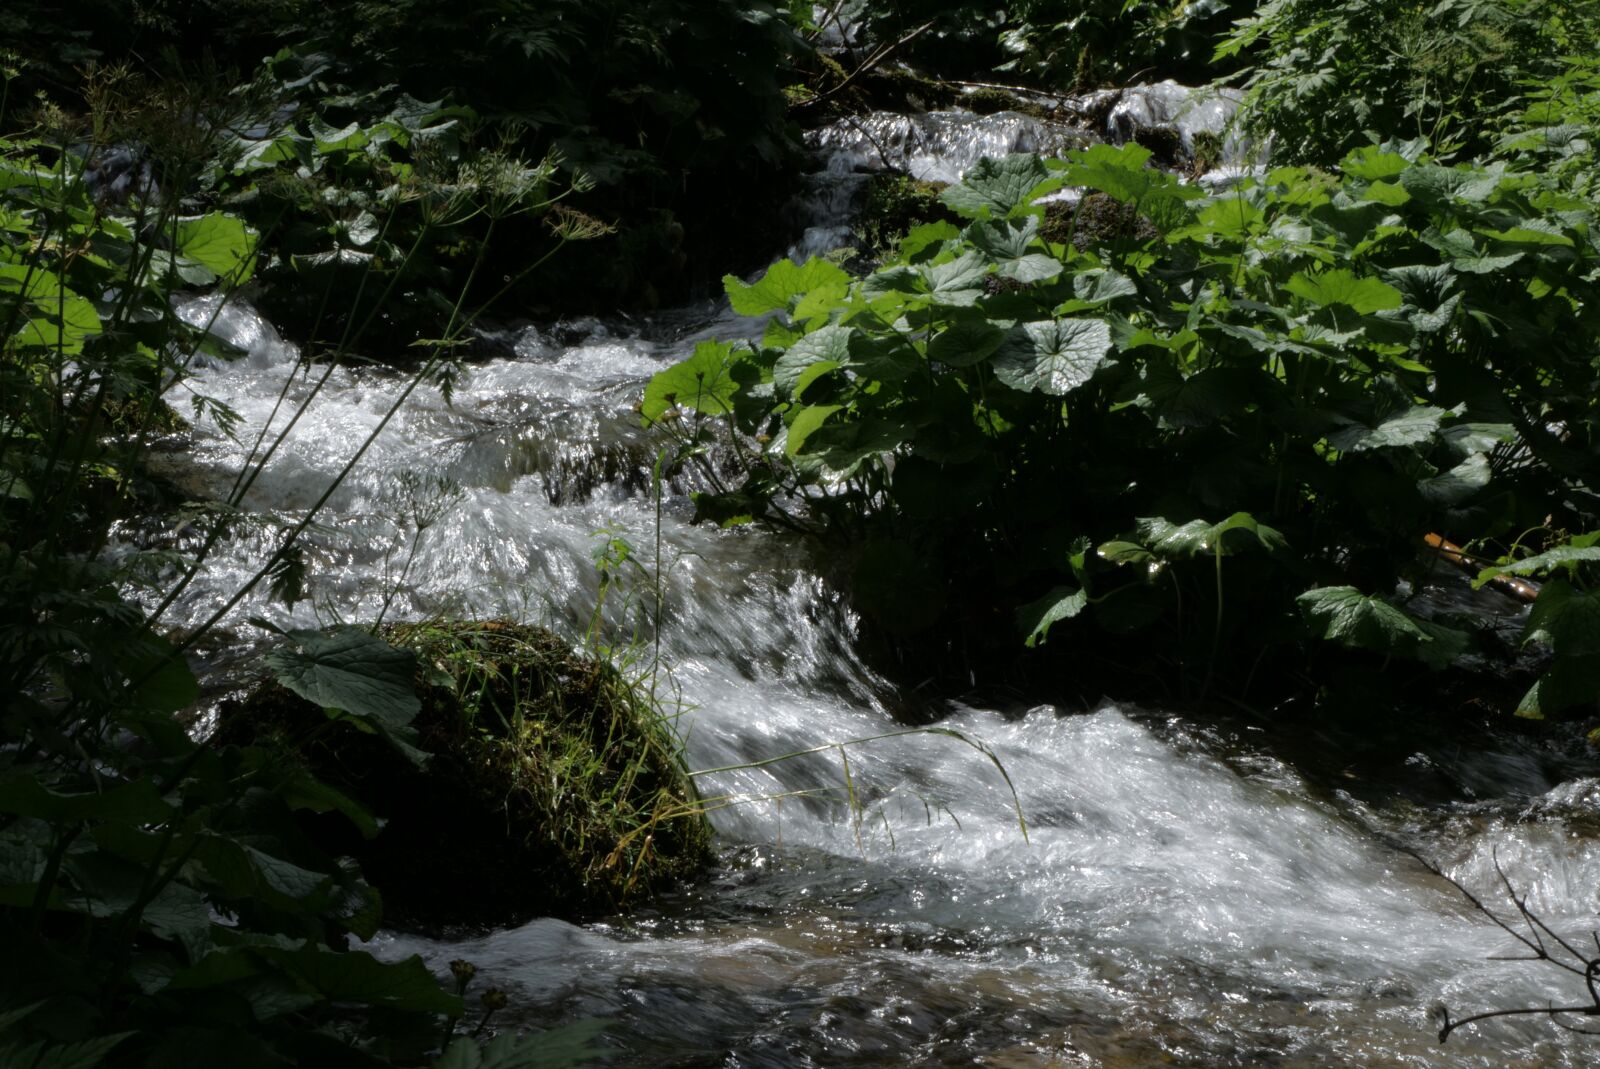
1204	448
166	900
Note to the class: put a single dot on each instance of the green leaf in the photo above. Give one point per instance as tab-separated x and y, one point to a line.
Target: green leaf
1054	356
966	342
1469	438
1197	537
349	669
1446	187
1120	172
1455	486
1037	617
996	187
220	243
1344	615
66	322
1566	618
830	344
1338	286
166	684
1551	559
1119	552
1103	284
927	239
1373	163
806	422
957	284
1007	243
356	976
1411	426
131	803
306	792
782	283
703	383
82	1055
1197	400
1570	682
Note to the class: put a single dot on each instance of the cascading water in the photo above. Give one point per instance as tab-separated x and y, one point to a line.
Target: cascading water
1181	897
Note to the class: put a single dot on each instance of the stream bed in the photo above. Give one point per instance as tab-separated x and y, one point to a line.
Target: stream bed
1181	893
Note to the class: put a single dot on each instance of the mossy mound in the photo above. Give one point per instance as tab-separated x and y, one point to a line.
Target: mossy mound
895	204
1095	221
555	788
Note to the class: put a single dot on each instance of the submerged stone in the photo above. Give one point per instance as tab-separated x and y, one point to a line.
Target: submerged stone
555	787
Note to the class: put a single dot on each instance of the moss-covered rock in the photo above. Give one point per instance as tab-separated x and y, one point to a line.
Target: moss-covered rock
556	787
893	205
1094	221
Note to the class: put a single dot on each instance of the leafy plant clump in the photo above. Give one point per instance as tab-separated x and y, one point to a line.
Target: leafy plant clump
160	903
1328	77
1207	443
550	785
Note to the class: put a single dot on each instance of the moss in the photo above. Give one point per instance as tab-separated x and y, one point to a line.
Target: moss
1165	144
556	787
1094	221
989	100
893	205
892	88
1207	153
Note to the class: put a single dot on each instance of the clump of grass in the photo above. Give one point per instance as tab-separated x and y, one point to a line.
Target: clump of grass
556	786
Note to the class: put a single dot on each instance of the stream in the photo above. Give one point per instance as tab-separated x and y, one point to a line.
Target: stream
1185	893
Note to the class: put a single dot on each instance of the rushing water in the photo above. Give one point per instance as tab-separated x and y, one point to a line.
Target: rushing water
1182	896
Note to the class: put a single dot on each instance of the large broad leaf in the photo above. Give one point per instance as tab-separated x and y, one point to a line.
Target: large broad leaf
996	187
131	803
349	669
1122	172
966	342
1037	617
1566	618
783	282
1197	537
1445	187
1569	682
957	283
1007	243
220	243
1196	400
356	976
67	320
704	383
1338	286
1373	163
828	345
1575	552
1054	356
84	1055
1411	426
1451	488
1344	615
806	422
163	681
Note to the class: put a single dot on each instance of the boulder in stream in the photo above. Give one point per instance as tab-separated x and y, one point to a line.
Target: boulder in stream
555	787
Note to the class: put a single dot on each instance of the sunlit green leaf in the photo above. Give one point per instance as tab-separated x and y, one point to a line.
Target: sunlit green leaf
1054	356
